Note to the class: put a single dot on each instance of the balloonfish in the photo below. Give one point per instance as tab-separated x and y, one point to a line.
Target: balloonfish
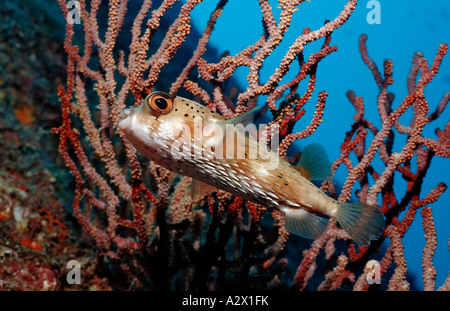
186	137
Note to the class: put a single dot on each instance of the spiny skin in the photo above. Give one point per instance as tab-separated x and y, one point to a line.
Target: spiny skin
251	178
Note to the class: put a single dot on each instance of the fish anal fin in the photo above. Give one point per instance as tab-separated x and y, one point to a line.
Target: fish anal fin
199	189
303	223
314	163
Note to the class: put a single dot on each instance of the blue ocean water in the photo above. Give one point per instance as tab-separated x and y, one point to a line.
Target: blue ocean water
405	27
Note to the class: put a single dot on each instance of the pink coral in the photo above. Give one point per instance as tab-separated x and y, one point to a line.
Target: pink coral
136	212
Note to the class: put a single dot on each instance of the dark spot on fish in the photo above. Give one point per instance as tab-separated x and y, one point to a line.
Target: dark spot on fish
176	109
203	112
186	115
280	175
286	183
187	104
192	107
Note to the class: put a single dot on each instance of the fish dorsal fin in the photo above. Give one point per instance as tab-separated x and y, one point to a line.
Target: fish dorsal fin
200	189
303	223
314	163
245	118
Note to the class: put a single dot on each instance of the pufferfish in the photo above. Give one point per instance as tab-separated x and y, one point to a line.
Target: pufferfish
168	130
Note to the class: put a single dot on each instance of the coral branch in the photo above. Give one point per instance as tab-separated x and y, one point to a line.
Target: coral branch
140	214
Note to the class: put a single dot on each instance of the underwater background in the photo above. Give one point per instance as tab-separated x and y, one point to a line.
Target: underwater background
39	233
405	27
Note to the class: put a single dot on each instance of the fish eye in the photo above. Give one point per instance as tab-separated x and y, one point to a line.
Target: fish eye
160	102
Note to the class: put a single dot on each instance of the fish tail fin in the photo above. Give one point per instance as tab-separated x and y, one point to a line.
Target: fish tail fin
361	221
303	223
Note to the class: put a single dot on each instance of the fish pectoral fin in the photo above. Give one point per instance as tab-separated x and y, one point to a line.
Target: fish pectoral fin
303	223
314	163
200	189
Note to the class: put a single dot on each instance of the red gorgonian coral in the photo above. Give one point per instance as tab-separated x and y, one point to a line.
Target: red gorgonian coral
139	214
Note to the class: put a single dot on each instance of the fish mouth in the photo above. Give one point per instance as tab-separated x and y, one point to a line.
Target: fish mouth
125	113
124	121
